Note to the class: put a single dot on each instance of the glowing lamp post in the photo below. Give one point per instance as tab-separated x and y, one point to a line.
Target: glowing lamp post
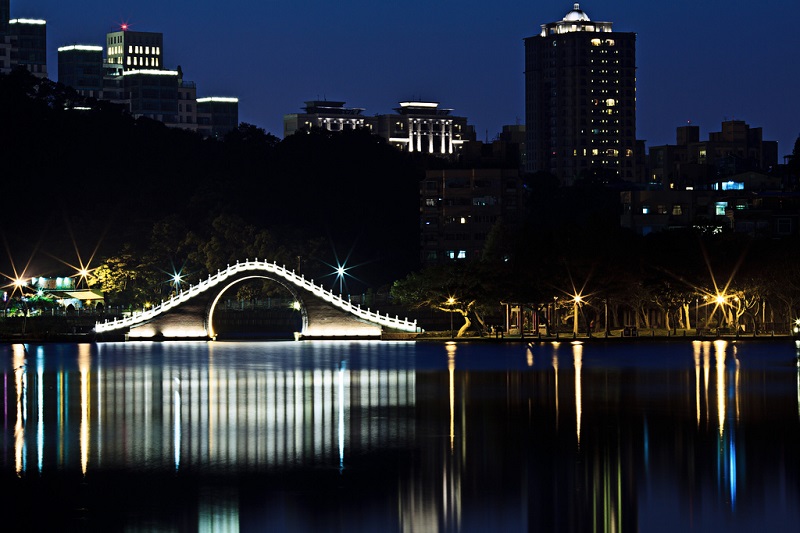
340	274
575	303
450	302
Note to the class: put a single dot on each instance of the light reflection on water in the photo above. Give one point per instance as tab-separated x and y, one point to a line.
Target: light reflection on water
405	436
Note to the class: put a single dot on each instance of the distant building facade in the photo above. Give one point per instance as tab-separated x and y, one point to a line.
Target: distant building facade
459	208
329	115
580	99
132	74
424	127
698	164
23	43
420	127
217	115
81	67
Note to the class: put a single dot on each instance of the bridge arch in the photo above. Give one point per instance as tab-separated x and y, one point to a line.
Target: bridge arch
189	314
209	318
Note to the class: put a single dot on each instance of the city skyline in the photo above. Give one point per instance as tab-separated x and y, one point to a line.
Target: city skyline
469	57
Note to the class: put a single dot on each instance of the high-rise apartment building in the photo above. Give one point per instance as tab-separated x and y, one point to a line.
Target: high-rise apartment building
580	99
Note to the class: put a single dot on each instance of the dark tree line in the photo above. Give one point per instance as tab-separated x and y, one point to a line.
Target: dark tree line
82	177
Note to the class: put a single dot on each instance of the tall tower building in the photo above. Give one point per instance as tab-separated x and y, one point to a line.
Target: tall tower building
580	99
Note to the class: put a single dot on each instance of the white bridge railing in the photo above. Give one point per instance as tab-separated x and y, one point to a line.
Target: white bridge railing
257	266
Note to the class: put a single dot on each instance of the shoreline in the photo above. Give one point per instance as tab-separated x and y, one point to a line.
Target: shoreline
80	338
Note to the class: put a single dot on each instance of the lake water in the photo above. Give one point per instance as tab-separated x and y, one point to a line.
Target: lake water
401	436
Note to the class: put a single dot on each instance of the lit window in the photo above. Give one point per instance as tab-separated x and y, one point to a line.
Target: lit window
611	102
130	49
430	202
645	209
677	210
462	254
463	220
610	42
129	60
732	185
147	50
720	207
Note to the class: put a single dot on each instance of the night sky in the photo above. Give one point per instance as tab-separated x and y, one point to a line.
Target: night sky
703	62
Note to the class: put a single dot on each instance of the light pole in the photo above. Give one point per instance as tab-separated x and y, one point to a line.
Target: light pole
450	302
575	302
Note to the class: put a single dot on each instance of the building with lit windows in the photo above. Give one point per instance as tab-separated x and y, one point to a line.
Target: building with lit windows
132	74
329	115
580	99
423	127
420	127
699	164
23	42
135	50
459	208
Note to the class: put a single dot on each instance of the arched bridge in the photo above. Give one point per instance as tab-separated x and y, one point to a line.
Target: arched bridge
189	314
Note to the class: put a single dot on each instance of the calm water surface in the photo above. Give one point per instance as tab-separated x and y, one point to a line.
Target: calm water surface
395	436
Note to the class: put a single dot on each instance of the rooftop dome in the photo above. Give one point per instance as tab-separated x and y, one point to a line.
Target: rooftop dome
576	15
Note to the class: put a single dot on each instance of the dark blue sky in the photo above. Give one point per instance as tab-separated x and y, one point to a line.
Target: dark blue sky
699	61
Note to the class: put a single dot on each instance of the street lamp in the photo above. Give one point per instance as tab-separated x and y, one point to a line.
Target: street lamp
575	302
450	302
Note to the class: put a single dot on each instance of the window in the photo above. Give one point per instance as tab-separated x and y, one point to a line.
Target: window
430	202
677	210
732	185
784	226
645	209
720	208
662	210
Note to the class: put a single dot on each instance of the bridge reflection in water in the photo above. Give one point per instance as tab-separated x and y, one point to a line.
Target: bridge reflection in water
210	417
414	436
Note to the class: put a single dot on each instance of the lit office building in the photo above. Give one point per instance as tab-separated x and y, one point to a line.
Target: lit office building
580	99
424	127
332	116
135	50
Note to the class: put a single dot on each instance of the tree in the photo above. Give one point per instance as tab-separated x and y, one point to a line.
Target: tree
127	281
456	287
